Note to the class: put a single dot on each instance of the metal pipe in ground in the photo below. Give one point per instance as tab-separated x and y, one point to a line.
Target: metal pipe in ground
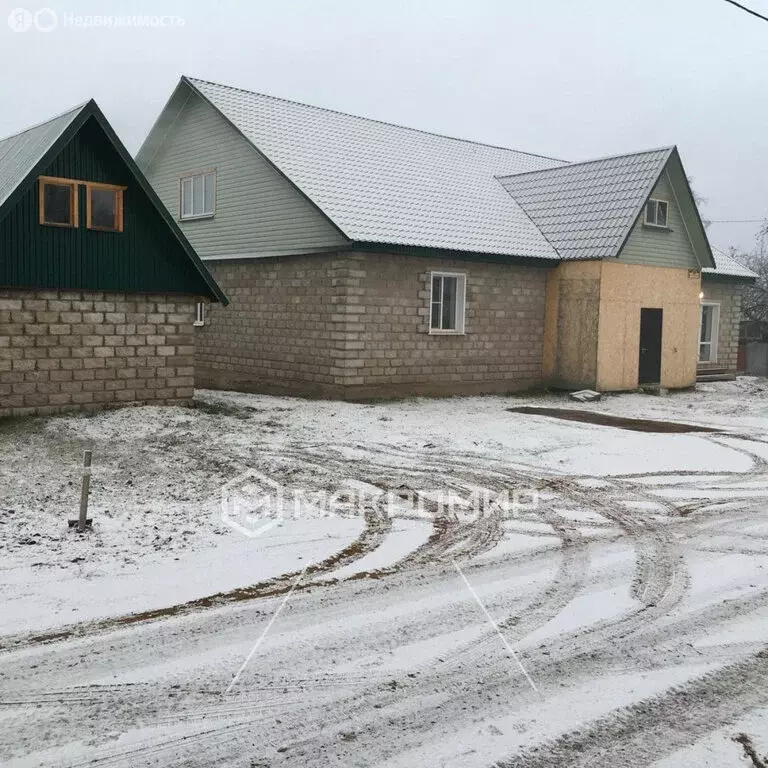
82	522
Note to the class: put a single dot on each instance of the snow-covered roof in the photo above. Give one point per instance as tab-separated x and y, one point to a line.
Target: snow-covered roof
727	266
390	185
383	183
21	152
586	209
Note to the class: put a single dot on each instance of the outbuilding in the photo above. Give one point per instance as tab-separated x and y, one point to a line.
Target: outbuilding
98	286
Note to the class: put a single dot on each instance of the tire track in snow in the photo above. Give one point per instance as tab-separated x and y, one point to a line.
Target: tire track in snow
377	526
647	730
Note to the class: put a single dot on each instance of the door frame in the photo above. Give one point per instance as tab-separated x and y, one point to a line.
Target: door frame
713	342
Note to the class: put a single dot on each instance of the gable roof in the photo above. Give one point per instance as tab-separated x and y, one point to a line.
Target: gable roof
587	209
383	183
727	266
24	155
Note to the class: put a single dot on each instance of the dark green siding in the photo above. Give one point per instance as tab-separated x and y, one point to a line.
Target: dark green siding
145	258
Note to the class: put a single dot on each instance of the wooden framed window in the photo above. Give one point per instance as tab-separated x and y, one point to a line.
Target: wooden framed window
447	302
58	202
656	213
104	207
197	195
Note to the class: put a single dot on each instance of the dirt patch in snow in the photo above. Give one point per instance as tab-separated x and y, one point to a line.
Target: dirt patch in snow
750	751
604	420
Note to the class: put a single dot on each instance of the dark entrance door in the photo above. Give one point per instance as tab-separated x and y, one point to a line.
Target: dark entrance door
649	368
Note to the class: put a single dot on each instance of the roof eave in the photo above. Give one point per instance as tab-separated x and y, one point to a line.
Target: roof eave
451	253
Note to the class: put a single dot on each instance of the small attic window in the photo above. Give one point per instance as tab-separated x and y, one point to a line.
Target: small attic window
104	207
58	202
198	195
656	213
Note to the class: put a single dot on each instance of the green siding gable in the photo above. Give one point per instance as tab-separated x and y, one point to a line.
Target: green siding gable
658	247
146	257
258	211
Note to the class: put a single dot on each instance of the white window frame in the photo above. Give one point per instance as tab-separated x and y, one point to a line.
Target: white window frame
461	304
200	313
190	177
649	223
715	332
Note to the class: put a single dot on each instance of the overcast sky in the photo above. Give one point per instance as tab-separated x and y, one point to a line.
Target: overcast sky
572	79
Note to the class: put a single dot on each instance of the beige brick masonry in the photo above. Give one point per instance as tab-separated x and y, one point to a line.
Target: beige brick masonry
71	350
356	326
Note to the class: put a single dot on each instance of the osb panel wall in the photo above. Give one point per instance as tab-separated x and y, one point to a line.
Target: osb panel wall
572	314
625	290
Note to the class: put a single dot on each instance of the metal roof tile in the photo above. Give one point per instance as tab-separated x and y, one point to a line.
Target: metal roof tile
21	152
389	184
586	209
727	266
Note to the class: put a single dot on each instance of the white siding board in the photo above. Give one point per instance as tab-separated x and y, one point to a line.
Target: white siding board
258	211
661	248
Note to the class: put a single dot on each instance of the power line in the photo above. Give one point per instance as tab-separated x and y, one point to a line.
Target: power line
736	221
748	10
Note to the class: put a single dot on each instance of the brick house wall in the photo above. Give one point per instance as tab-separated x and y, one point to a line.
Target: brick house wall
69	350
280	329
729	294
356	325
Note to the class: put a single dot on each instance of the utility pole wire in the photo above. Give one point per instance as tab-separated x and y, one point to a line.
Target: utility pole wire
748	10
736	221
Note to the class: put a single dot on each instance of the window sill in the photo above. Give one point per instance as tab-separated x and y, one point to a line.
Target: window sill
197	218
438	332
656	227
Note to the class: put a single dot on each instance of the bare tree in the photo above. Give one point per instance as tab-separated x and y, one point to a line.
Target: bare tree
699	200
755	305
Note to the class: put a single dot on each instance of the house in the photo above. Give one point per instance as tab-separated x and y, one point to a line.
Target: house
722	291
98	286
365	259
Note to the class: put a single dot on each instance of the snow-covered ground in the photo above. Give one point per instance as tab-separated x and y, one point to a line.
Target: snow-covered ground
627	571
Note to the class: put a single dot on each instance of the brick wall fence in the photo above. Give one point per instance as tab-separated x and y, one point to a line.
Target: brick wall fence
70	350
356	325
729	294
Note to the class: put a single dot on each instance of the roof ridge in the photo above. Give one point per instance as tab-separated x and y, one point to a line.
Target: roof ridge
29	128
373	119
667	149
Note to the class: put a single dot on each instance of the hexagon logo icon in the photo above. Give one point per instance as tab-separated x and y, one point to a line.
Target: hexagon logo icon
252	503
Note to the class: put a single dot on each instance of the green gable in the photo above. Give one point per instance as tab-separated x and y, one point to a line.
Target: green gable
149	256
683	243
